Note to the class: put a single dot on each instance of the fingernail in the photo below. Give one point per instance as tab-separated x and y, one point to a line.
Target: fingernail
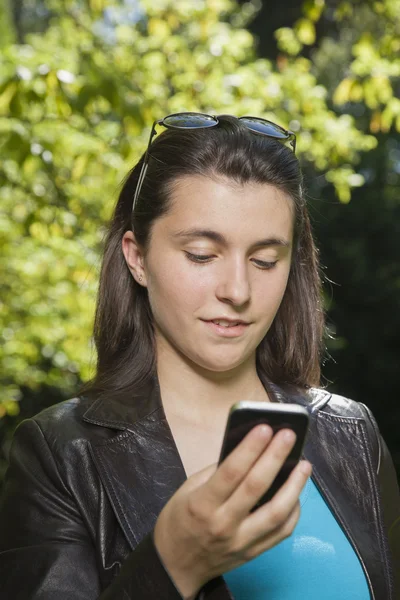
289	436
264	431
305	467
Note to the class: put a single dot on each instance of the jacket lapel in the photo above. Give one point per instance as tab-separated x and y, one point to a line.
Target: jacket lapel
140	469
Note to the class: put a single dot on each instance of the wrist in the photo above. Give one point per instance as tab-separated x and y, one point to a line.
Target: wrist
185	582
186	585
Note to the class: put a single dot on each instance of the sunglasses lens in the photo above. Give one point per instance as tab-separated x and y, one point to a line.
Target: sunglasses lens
189	121
265	127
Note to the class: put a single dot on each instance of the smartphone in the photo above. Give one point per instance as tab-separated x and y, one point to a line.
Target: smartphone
243	416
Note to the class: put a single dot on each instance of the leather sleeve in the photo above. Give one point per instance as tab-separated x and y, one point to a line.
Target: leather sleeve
45	549
391	510
390	498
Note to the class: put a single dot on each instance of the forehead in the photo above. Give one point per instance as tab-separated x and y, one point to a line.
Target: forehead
237	211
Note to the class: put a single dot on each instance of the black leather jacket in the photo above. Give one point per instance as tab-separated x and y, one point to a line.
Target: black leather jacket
87	480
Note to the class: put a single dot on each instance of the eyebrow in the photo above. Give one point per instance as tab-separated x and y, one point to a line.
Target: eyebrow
221	239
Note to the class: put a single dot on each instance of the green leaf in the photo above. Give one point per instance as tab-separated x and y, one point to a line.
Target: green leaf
305	30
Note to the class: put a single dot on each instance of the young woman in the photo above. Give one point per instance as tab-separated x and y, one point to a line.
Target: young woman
209	295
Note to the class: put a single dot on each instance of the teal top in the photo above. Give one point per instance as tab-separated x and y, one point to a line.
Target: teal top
316	561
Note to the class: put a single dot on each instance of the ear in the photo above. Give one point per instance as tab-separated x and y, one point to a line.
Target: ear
134	257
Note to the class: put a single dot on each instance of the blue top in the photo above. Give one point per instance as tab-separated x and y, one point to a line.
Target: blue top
316	561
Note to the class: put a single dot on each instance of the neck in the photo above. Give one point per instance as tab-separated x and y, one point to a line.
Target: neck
197	395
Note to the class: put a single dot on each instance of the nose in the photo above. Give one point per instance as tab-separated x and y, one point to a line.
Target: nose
233	282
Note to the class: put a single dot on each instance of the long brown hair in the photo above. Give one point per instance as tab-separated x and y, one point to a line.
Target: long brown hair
123	331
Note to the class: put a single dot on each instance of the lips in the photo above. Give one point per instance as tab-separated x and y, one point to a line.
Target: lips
227	323
227	328
224	322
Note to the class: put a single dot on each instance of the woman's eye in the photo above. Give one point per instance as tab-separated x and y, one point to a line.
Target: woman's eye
198	258
205	258
262	264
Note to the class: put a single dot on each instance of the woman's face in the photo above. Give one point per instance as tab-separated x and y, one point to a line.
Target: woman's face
216	270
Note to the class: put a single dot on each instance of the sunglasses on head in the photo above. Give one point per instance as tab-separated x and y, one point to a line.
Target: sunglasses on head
193	120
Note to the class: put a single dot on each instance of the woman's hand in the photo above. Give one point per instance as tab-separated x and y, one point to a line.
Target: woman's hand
206	528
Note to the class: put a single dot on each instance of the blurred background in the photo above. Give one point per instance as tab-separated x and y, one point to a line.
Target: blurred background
80	84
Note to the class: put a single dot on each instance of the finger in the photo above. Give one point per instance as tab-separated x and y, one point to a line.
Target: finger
272	538
272	515
200	478
235	467
261	475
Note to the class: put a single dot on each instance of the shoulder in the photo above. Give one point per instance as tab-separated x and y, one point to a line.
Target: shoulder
319	400
65	418
339	409
336	404
60	430
70	411
328	404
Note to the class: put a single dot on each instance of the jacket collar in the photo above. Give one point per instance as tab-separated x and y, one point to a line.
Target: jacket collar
122	412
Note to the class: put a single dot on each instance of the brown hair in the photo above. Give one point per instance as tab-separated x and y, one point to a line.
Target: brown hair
123	331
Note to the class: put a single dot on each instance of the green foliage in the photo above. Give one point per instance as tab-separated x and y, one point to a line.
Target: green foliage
6	30
76	104
374	73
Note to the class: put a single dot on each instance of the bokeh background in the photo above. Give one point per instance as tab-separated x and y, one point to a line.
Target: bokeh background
80	84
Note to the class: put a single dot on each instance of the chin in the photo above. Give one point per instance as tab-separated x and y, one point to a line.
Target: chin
220	365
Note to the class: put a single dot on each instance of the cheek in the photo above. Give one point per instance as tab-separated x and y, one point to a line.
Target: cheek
269	296
281	284
176	292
